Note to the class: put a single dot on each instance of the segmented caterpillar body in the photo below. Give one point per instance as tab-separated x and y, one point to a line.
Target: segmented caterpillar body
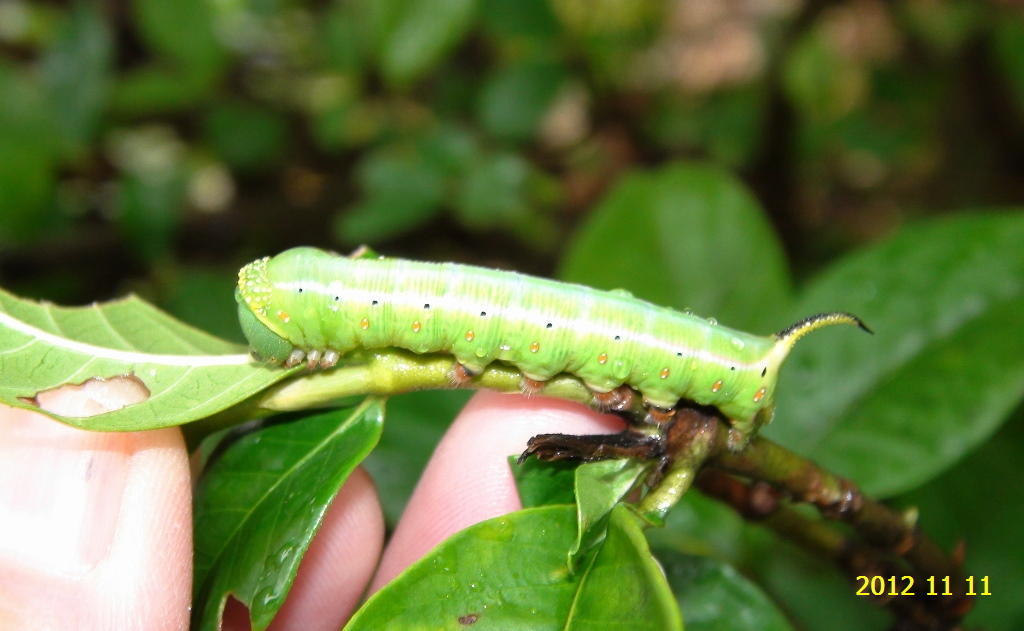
309	304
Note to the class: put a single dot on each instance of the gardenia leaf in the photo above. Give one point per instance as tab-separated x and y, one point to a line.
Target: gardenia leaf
259	506
178	374
510	573
600	486
944	368
714	596
687	235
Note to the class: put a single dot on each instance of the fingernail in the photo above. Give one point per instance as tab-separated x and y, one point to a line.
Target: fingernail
60	492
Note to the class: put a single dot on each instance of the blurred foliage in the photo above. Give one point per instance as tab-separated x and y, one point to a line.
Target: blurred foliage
711	154
151	135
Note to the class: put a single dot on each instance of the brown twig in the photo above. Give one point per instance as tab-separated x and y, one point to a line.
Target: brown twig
691	439
885	530
758	501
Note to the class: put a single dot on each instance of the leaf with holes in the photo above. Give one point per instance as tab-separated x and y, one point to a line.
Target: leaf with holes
168	372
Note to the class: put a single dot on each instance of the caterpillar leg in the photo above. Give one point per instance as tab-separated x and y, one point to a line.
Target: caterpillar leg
329	359
295	358
322	359
739	434
660	416
314	359
591	447
615	400
462	375
530	387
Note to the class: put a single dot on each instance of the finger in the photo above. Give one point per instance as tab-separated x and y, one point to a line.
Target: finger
97	527
468	478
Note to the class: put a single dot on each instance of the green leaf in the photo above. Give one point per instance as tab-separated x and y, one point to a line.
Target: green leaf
188	58
714	596
184	374
609	37
202	296
246	136
418	34
156	90
701	526
519	18
513	101
822	84
343	36
727	125
1007	45
890	136
450	148
980	503
182	31
624	588
946	28
150	208
75	71
510	573
258	507
27	157
402	191
416	422
543	483
685	236
494	192
812	590
945	366
383	217
599	487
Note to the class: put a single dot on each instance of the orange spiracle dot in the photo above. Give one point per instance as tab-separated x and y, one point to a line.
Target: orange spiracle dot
364	324
602	358
664	373
715	387
283	315
416	326
759	394
534	347
470	335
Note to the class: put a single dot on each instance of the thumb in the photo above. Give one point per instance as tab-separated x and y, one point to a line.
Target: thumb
95	528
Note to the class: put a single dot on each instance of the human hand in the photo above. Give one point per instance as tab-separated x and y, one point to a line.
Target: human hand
96	528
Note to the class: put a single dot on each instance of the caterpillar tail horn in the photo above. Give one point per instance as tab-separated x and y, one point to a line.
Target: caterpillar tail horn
791	334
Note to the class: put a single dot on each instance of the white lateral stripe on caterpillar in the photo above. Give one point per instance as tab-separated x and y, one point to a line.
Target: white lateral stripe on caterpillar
457	303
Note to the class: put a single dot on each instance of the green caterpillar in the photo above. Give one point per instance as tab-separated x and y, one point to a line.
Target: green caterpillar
308	304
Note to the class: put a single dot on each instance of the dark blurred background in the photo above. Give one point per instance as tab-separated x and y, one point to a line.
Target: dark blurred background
154	146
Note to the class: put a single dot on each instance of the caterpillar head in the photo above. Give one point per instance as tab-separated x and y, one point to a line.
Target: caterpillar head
253	295
270	309
265	344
